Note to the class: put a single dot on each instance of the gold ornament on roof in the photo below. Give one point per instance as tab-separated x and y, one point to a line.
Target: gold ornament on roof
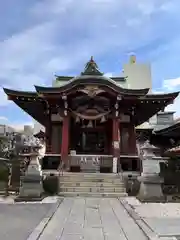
91	90
132	59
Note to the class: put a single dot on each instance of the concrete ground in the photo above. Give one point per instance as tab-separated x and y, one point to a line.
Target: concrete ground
17	221
162	219
91	218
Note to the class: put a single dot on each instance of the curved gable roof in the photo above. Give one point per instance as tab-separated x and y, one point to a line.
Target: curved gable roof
20	93
91	80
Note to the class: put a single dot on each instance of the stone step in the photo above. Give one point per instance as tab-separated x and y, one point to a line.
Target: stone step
90	176
90	170
90	184
90	180
90	194
93	189
97	175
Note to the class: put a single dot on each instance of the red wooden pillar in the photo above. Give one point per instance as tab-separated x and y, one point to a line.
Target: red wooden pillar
132	140
109	135
115	144
132	145
48	133
115	137
65	139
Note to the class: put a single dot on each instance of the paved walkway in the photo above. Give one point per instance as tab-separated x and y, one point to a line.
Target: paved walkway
91	219
19	220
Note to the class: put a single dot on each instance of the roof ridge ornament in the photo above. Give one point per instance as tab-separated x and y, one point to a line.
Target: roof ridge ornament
91	68
132	59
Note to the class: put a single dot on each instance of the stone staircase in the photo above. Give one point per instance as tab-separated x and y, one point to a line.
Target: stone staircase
91	185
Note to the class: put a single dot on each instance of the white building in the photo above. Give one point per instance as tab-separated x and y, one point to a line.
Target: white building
28	130
5	129
138	75
38	127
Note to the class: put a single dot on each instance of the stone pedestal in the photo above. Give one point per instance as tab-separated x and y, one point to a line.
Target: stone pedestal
150	180
15	174
150	188
31	184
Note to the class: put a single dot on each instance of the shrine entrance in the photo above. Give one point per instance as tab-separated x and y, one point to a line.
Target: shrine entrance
91	139
92	142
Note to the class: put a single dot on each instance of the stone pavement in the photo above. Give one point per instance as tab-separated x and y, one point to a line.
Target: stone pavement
17	221
91	219
159	219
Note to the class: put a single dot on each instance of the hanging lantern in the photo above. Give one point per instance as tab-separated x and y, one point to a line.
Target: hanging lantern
77	119
90	124
103	119
83	125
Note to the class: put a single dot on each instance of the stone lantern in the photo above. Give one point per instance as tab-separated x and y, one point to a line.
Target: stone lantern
31	183
150	180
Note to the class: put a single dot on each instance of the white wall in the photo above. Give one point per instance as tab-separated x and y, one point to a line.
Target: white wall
138	75
38	127
56	83
153	120
165	118
122	84
5	129
28	130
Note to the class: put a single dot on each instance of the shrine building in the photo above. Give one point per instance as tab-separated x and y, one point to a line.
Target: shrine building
90	119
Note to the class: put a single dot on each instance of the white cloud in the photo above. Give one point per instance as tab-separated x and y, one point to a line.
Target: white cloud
147	7
3	119
108	74
22	51
157	91
171	84
169	6
174	107
67	32
3	98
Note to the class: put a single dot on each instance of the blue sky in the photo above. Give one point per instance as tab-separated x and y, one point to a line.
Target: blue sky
40	38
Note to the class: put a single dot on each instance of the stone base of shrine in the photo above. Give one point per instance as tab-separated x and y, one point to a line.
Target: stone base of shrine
29	199
92	163
150	189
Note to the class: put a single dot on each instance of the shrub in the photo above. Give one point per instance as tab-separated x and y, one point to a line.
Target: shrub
51	185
